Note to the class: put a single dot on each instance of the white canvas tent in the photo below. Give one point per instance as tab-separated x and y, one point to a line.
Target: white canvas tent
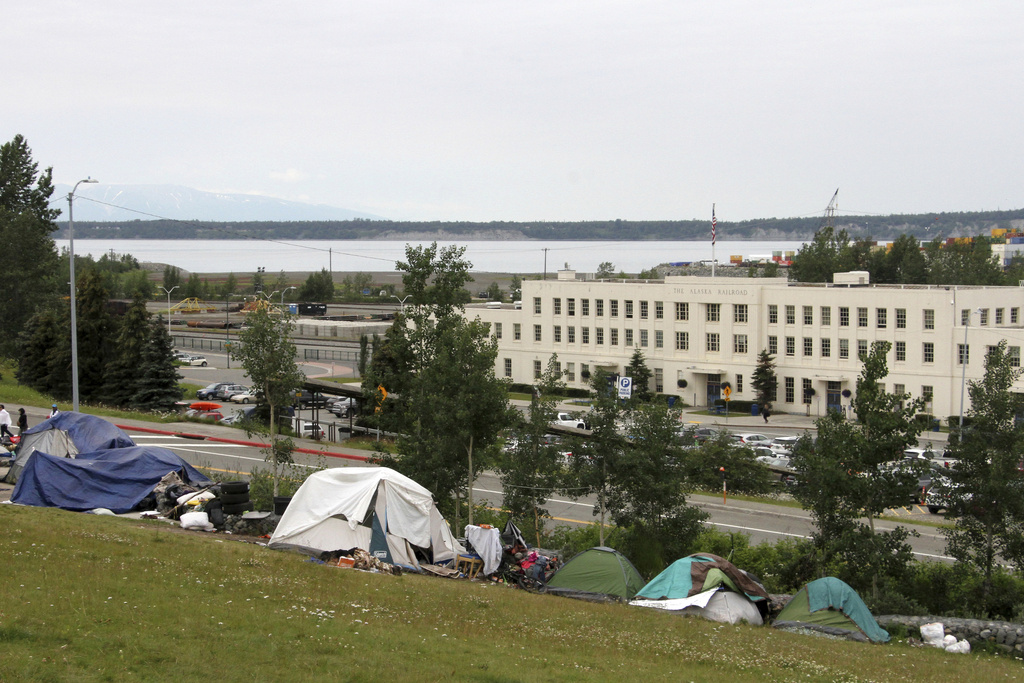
373	508
717	604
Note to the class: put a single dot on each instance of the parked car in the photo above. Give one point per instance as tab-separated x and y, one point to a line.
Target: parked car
214	415
226	391
207	392
193	360
753	439
341	407
783	445
311	430
567	420
244	397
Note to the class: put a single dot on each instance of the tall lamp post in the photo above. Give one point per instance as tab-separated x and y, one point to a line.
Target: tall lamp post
963	365
227	327
169	306
402	300
284	292
74	318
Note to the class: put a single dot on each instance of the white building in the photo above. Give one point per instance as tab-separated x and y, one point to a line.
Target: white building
698	333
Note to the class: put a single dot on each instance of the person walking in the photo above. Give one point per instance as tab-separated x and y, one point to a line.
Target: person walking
5	422
765	413
53	411
22	421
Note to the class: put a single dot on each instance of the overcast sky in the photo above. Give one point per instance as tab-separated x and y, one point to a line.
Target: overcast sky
552	110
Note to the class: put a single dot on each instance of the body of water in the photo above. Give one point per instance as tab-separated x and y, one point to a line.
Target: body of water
525	256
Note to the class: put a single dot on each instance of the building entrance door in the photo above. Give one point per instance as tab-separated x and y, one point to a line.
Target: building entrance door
833	396
714	389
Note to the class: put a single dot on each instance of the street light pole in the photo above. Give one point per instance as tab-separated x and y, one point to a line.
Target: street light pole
227	328
74	318
963	364
402	300
169	306
283	293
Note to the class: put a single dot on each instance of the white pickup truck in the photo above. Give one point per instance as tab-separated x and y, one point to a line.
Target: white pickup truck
567	420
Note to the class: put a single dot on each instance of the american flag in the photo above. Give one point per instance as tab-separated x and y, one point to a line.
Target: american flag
714	224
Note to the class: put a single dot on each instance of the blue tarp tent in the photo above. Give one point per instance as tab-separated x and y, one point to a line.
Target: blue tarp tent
66	435
116	479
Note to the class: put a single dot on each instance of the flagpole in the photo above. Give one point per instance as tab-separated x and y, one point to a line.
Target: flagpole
714	225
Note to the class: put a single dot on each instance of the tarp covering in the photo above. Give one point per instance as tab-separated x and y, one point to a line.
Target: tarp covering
717	604
597	571
66	435
116	479
334	510
487	544
831	602
701	572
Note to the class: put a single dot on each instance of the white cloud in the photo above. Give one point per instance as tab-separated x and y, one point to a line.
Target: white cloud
292	175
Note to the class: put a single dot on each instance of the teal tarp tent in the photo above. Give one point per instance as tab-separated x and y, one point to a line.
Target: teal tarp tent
597	573
701	572
830	603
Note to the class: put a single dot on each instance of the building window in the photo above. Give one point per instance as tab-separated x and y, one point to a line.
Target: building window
659	380
1014	353
999	316
739	384
536	369
536	333
963	354
790	389
899	390
497	330
570	334
773	345
844	348
983	317
790	346
928	352
659	339
556	305
901	352
739	313
926	393
557	334
584	371
826	315
682	310
599	307
599	335
628	341
790	315
862	349
517	331
570	306
570	372
862	317
585	335
613	308
629	308
901	318
643	310
881	315
536	304
807	391
643	339
682	341
808	346
659	310
584	306
714	313
844	316
712	342
826	347
929	319
613	339
965	316
773	314
1014	315
508	367
739	343
808	315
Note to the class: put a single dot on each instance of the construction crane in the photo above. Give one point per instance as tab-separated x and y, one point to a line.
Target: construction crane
830	212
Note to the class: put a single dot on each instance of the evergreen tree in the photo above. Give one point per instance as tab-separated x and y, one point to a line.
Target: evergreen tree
515	288
41	335
641	374
318	287
125	369
29	277
764	379
172	277
95	330
230	285
157	387
193	288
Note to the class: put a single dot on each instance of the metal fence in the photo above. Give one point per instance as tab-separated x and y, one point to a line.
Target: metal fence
332	354
202	343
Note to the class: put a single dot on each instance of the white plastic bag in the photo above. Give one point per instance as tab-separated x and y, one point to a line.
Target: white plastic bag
932	634
947	641
196	520
198	497
961	647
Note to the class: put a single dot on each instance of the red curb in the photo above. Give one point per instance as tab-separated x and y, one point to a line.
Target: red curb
239	442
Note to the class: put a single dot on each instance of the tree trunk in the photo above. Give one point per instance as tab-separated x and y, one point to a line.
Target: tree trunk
273	450
469	489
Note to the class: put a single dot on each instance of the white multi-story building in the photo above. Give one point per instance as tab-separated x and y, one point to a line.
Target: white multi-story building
699	333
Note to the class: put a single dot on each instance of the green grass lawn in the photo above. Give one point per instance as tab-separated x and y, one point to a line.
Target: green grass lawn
89	598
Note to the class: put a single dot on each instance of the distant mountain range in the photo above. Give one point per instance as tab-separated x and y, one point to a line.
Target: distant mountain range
122	203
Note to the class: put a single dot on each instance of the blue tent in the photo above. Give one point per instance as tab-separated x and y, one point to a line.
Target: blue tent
117	479
66	435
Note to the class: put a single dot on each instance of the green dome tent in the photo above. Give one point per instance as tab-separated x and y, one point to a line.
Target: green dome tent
831	606
599	573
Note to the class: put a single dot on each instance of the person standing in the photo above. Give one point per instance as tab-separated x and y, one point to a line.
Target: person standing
22	421
765	413
53	411
5	422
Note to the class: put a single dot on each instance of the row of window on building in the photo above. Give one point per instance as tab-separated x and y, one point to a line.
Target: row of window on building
740	313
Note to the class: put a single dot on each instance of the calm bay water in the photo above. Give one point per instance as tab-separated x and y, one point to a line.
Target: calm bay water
245	256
